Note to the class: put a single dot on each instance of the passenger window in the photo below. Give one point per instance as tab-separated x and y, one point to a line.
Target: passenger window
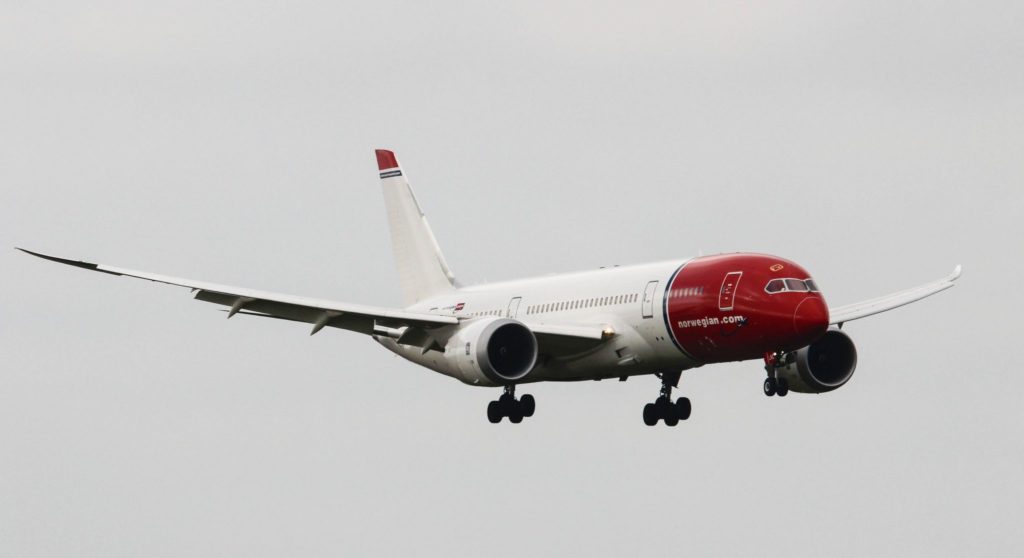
796	285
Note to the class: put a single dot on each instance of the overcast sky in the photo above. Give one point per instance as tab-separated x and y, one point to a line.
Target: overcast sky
876	143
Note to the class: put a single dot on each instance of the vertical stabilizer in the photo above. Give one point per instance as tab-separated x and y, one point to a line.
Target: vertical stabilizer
422	271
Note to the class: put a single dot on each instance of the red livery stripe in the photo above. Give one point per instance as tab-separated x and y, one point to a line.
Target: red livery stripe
386	159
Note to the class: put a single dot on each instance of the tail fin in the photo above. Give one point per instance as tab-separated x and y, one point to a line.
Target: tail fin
422	271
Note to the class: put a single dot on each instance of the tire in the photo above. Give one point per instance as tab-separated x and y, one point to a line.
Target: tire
672	418
683	408
664	405
769	386
515	413
650	414
494	412
783	387
528	404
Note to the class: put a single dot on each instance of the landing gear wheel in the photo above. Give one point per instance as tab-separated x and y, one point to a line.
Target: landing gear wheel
663	408
494	413
650	414
508	406
782	387
683	408
515	413
666	411
528	404
769	386
663	404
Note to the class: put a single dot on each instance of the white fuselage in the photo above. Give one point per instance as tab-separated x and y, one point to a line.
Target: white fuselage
628	299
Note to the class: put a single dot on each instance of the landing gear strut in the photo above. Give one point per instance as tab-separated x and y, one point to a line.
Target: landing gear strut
508	406
774	385
663	408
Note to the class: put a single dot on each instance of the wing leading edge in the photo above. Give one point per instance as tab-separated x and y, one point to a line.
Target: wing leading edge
874	306
320	313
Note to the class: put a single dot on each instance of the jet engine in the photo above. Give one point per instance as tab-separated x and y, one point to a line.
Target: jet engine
822	366
492	351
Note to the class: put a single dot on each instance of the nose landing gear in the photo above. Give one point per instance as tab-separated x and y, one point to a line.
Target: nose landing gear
508	406
774	385
663	408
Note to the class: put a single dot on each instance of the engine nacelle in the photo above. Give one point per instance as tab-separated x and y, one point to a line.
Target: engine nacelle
492	351
822	366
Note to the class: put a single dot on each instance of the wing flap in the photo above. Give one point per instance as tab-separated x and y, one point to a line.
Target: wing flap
881	304
593	332
569	339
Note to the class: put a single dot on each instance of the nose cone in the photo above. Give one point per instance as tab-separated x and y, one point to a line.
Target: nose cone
810	319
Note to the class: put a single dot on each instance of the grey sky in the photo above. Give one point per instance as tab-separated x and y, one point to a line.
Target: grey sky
877	143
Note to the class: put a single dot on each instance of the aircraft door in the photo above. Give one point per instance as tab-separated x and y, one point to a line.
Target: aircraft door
513	307
727	295
648	301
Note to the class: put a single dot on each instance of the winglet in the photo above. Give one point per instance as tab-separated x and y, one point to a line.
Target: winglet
386	159
956	273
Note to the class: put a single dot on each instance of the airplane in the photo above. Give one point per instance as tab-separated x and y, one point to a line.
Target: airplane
616	322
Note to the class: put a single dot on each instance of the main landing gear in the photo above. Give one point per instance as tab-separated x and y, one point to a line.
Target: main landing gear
773	385
663	408
508	406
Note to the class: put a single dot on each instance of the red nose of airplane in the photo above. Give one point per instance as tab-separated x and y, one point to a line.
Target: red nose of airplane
810	319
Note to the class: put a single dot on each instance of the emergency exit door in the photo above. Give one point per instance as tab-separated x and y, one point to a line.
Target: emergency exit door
648	302
513	307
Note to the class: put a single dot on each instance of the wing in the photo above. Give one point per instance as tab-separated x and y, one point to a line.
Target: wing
874	306
320	313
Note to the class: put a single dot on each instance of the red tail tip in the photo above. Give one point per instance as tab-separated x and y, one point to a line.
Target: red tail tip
386	159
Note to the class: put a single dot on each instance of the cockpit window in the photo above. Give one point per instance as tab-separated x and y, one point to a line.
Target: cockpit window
796	285
791	286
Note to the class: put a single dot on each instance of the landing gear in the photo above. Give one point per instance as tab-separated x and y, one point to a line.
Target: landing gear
774	385
663	408
508	406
